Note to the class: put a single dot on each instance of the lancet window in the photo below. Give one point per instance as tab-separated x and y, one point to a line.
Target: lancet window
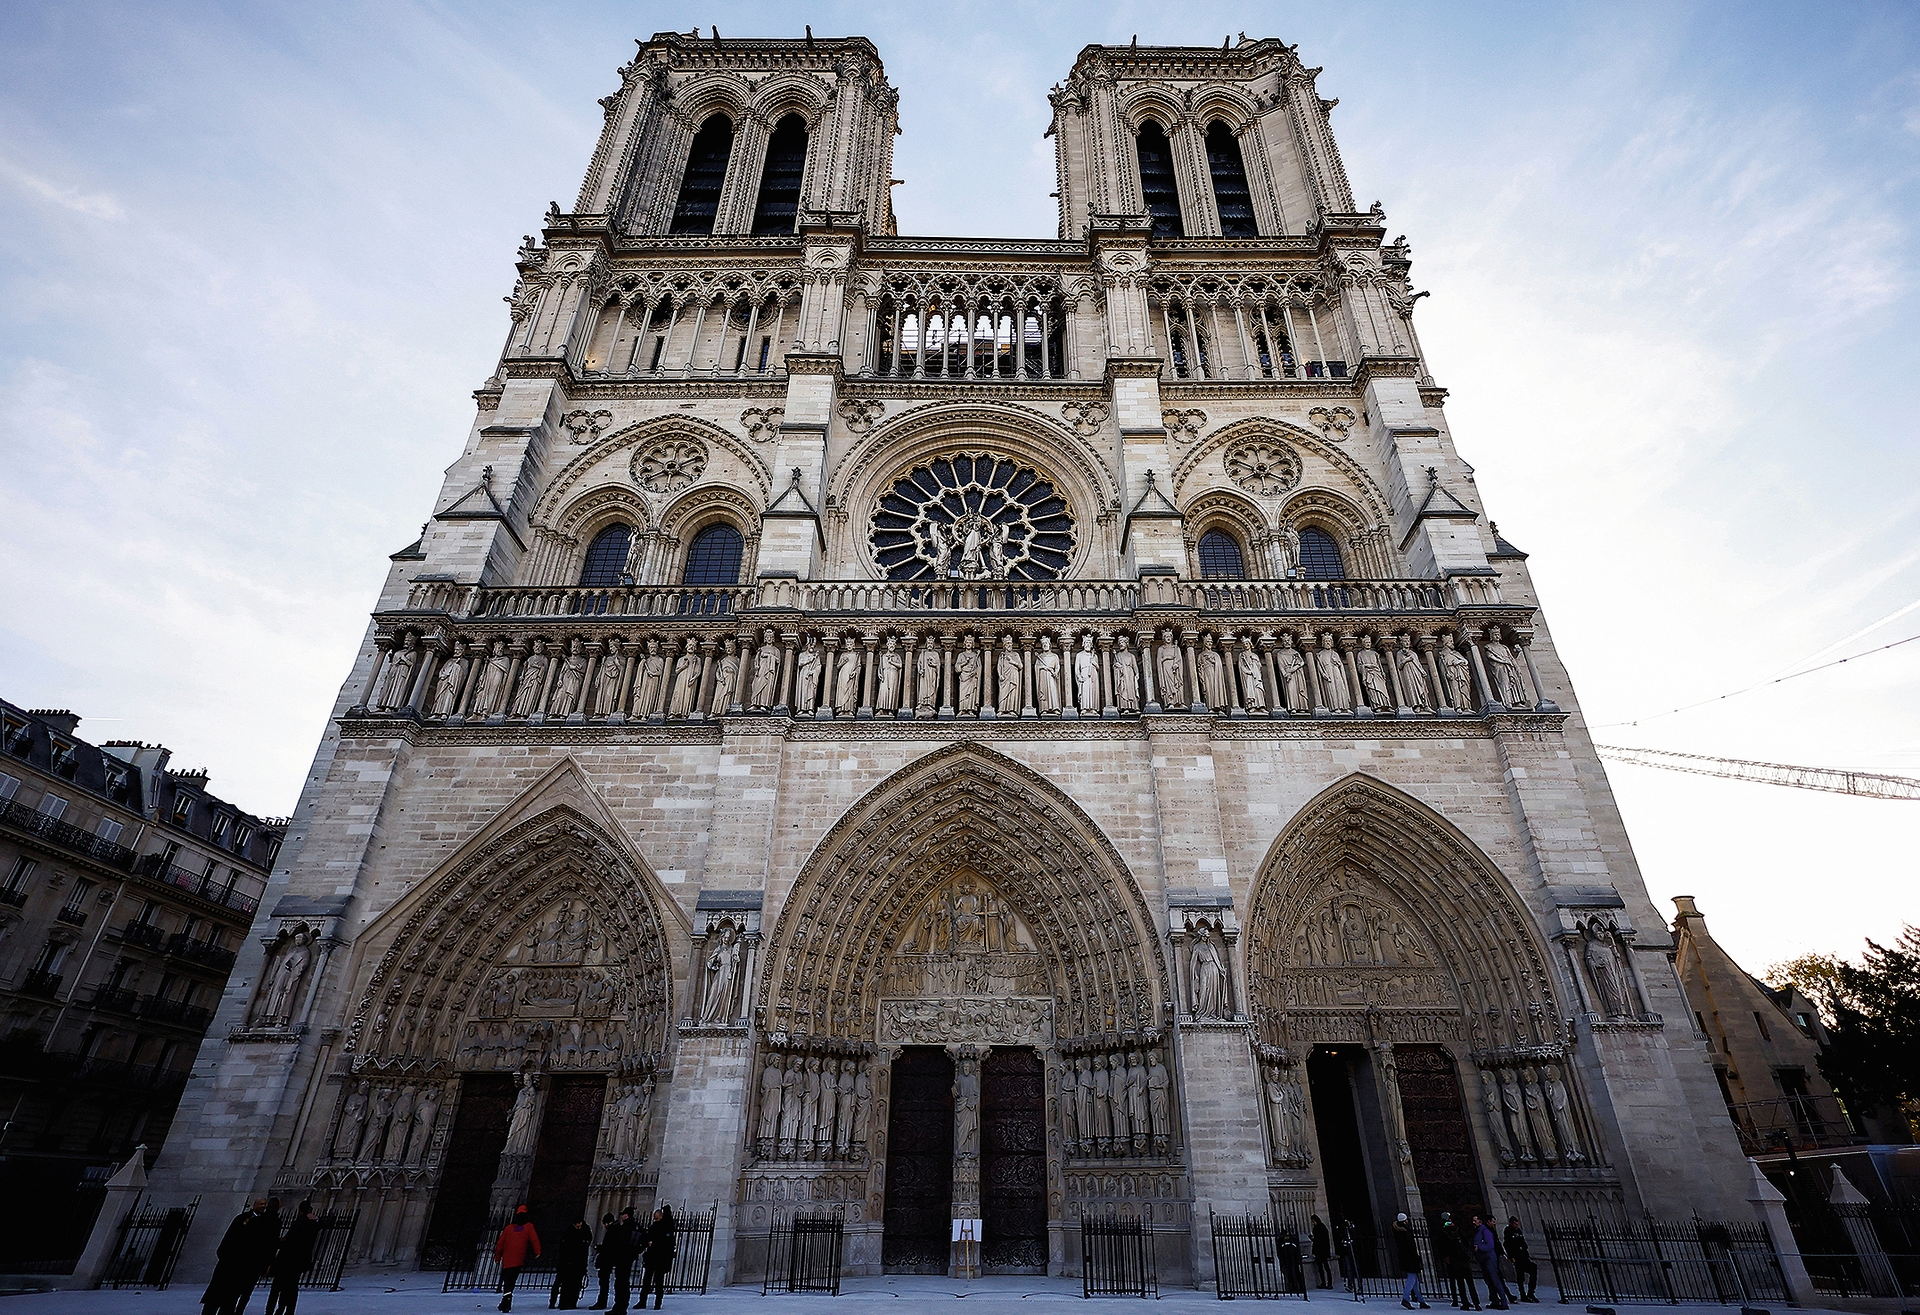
714	557
995	333
1220	557
779	203
1158	190
706	173
1230	194
606	557
1320	555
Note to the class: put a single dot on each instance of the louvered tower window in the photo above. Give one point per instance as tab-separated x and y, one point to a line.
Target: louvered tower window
1230	194
1320	556
1157	188
1220	557
706	172
779	202
606	556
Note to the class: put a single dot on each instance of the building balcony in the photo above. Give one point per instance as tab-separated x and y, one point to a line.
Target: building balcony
200	884
1796	1123
143	934
174	1011
115	998
15	898
71	916
21	818
40	983
182	946
27	1060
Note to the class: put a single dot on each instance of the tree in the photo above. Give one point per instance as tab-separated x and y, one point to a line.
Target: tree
1816	976
1873	1049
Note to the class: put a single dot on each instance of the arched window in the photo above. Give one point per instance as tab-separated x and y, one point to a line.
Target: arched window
1320	555
706	171
1230	194
1220	557
714	557
1157	187
607	556
779	203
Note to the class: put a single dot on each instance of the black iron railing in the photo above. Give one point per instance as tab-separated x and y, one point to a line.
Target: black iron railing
804	1254
693	1250
174	1011
66	835
141	933
1652	1261
1116	1257
1254	1257
182	946
149	1246
1863	1249
39	982
474	1266
330	1246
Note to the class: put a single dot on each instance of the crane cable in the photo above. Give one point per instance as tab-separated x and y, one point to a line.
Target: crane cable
1687	707
1833	780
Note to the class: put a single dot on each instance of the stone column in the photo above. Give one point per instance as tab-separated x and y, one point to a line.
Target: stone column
1347	646
1488	703
1427	646
1027	708
383	648
869	674
789	653
948	696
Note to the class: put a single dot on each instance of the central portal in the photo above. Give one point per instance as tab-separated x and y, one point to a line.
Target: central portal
919	1163
1013	1168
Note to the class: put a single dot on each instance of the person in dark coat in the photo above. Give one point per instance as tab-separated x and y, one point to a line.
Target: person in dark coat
294	1258
570	1264
1486	1258
1526	1274
660	1248
625	1245
1343	1242
1406	1249
244	1254
1457	1263
1322	1252
603	1260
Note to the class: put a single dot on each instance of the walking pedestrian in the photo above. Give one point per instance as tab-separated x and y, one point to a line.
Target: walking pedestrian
1526	1274
570	1264
626	1247
294	1258
1457	1263
603	1260
1322	1252
1407	1248
1349	1262
518	1243
1486	1253
243	1255
661	1247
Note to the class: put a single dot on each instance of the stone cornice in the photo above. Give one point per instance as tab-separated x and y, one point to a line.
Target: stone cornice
1253	389
1035	392
599	389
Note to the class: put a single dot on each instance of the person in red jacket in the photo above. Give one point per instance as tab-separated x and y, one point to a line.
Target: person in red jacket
518	1244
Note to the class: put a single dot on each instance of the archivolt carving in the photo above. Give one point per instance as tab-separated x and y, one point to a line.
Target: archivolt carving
1371	906
668	465
958	812
1267	467
710	502
541	948
560	492
1363	487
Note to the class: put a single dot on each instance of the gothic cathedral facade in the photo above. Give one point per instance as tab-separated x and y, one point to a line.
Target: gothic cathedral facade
949	728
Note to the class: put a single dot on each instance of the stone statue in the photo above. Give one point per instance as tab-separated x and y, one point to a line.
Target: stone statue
1171	672
1069	1104
1102	1103
1209	974
770	1086
278	1001
520	1129
966	671
649	687
1603	969
809	1134
726	679
764	691
493	682
1253	682
426	1114
1126	676
1292	664
533	679
686	680
620	1123
1046	678
862	1098
606	687
793	1095
826	1133
806	678
378	1116
1557	1111
1455	675
846	679
1413	676
1084	1095
1373	675
1504	671
893	669
1333	676
1289	539
723	972
353	1122
1537	1115
643	1122
1516	1115
966	1108
1086	677
1213	675
1490	1098
1007	669
1159	1098
926	678
849	1083
449	682
1137	1101
398	1130
1283	1112
398	680
566	687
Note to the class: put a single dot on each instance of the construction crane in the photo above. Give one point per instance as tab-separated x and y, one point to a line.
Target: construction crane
1865	785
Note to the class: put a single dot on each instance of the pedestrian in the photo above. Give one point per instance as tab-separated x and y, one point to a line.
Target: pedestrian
1526	1274
294	1258
243	1255
570	1264
1296	1279
661	1247
1349	1262
1322	1252
1457	1264
603	1260
1407	1248
519	1242
626	1247
1486	1254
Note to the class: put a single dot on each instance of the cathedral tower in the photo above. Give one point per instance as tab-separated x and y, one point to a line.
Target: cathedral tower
946	729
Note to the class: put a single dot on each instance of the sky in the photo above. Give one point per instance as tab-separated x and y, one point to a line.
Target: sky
252	260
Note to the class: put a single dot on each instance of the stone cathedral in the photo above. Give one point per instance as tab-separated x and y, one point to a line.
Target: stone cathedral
946	728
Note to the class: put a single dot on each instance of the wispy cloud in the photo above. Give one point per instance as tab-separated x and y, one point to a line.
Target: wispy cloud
95	205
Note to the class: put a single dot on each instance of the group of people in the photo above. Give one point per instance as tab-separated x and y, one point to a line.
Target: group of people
623	1241
253	1248
1459	1254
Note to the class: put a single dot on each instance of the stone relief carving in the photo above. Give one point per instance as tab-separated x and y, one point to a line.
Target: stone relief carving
815	1096
670	464
1268	468
1334	422
1284	1101
861	413
763	423
1183	426
279	998
585	426
1114	1098
1085	417
1010	1021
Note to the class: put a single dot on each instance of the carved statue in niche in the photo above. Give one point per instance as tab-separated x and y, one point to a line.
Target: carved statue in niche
1159	1102
1007	670
520	1127
806	682
398	679
451	679
491	698
846	680
1208	970
1511	1101
1213	675
764	690
826	1132
686	680
893	669
1126	676
567	685
1102	1103
606	683
533	677
793	1096
1086	677
426	1114
353	1122
1559	1114
966	672
401	1126
378	1115
1603	970
621	1120
1138	1113
1171	671
862	1099
808	1132
966	1107
1413	676
1333	676
1504	671
1070	1105
1455	674
726	679
1253	682
1373	675
1083	1097
772	1078
1496	1126
1537	1115
651	680
1046	679
1286	1114
279	996
1292	664
1121	1119
726	951
926	679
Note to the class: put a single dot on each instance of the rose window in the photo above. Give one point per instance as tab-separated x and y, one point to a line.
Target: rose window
669	466
970	516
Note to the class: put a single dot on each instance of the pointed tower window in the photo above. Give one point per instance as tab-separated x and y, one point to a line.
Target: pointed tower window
606	557
779	202
706	172
714	557
1230	194
1320	555
1157	187
1220	557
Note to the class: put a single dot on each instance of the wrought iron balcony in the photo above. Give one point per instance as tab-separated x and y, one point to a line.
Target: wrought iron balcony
141	933
174	1011
116	998
40	983
66	835
14	897
200	884
73	917
182	946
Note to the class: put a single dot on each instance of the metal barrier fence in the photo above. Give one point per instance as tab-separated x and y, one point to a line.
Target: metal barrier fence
149	1247
693	1251
1116	1258
474	1267
1863	1249
329	1253
1695	1261
804	1255
1255	1257
1370	1266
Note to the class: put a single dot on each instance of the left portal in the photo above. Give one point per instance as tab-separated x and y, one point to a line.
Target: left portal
919	1163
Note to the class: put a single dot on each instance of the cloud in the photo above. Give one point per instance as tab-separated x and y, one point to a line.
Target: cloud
95	205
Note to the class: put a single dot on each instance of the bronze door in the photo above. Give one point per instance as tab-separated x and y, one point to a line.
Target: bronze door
473	1158
919	1163
1437	1131
563	1159
1013	1163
